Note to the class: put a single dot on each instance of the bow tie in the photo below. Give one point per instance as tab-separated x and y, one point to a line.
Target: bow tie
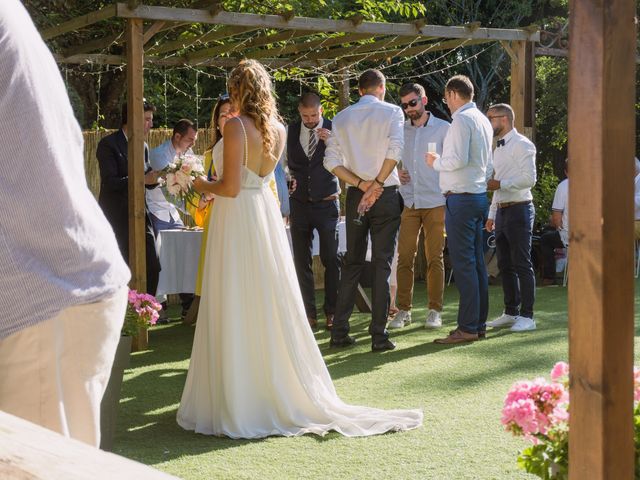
500	143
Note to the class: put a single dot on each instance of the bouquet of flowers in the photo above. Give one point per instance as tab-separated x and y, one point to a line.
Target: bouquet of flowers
539	412
180	175
142	312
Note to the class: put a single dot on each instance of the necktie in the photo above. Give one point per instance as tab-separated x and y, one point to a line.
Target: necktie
500	143
313	143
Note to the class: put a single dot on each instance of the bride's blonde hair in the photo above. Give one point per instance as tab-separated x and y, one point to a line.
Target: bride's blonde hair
251	91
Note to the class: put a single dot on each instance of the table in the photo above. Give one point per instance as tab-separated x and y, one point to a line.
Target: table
179	252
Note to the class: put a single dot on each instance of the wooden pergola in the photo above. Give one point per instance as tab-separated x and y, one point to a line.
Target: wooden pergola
601	126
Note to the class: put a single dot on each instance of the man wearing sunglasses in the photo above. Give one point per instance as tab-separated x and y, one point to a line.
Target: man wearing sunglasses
465	166
423	206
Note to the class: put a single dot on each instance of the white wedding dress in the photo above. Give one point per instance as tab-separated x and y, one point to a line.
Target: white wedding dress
256	369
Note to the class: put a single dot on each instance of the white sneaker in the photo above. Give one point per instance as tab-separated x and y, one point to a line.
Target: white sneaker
434	320
524	324
401	319
503	320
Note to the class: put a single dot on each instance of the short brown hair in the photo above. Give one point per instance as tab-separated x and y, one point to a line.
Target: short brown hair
408	88
183	126
369	79
309	99
503	109
461	85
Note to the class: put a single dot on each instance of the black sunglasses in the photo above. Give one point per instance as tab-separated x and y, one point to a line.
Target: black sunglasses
410	103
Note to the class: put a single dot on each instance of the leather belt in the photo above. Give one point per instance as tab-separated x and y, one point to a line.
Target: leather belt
330	198
511	204
449	193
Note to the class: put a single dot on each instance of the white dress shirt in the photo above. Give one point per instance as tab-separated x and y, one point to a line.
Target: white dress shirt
157	202
465	164
423	191
561	204
637	196
514	164
363	136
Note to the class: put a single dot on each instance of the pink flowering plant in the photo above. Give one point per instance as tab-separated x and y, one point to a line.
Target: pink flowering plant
180	175
142	312
539	411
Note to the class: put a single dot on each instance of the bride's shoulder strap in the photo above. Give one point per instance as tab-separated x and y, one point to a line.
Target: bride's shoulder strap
246	142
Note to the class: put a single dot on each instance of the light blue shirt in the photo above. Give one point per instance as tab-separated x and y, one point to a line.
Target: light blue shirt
57	249
162	155
423	191
465	163
363	136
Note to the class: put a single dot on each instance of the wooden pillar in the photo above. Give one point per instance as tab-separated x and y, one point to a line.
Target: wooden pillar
601	285
343	92
135	133
522	84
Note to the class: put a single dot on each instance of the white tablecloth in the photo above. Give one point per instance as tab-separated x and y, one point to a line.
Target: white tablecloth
179	252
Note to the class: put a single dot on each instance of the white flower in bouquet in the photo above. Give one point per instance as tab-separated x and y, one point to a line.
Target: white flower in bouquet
181	173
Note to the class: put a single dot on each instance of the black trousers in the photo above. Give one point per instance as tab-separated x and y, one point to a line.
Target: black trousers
549	241
305	217
382	223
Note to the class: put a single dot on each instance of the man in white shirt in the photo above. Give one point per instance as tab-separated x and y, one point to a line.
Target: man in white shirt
364	147
423	206
511	214
558	238
465	166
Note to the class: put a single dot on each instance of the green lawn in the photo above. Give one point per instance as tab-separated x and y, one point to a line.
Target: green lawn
460	389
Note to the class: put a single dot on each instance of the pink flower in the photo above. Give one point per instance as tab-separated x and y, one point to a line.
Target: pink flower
559	371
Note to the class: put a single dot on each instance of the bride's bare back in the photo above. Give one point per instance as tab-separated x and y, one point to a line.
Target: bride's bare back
258	161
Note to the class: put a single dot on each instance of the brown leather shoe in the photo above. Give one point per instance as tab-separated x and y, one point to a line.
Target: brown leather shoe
313	323
482	335
329	321
458	336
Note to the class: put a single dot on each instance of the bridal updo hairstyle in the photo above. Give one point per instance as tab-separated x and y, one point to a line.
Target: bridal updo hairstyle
251	91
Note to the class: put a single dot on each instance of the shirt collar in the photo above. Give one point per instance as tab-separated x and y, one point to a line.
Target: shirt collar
466	106
368	98
512	133
428	123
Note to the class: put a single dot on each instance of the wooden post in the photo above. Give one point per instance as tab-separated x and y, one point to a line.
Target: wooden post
518	52
135	133
343	91
601	286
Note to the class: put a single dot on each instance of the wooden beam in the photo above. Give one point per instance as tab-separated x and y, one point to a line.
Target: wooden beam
247	44
385	43
29	451
92	45
343	92
517	53
301	47
417	50
101	59
152	30
135	134
320	24
180	43
601	284
80	22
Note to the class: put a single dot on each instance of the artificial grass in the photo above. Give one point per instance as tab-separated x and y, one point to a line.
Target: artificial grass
460	388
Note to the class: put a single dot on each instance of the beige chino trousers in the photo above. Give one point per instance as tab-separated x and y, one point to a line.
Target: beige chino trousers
431	220
55	372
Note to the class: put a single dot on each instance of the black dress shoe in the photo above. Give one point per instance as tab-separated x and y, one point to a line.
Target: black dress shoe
346	341
382	346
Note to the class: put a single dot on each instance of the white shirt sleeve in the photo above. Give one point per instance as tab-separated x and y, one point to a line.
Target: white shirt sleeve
396	136
560	198
493	208
333	156
455	151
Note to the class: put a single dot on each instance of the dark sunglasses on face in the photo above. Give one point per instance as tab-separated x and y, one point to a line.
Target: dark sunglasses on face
410	103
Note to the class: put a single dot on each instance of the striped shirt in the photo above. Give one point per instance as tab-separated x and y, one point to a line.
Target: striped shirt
57	249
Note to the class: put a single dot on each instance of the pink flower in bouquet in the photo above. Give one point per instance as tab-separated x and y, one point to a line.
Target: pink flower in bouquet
184	180
142	311
559	371
173	187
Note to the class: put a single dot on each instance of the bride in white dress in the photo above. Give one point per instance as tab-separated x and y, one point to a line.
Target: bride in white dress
256	369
